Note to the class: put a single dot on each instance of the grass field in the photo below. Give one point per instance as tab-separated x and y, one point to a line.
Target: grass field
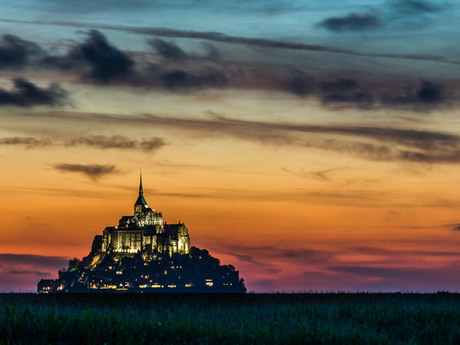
308	318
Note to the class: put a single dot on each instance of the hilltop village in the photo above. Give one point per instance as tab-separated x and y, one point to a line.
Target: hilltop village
143	253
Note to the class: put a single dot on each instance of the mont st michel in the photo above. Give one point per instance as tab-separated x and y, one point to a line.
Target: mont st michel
144	253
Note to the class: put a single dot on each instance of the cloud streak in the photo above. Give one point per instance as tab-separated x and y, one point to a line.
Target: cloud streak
117	142
101	142
417	6
93	171
366	142
322	175
383	144
29	142
220	37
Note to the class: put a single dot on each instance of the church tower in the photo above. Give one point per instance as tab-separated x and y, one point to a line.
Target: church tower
140	204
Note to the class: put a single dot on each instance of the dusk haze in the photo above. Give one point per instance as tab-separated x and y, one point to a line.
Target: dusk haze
304	145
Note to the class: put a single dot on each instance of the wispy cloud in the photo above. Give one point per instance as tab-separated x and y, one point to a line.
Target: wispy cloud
93	171
384	144
220	37
117	142
366	142
28	142
101	142
322	175
418	6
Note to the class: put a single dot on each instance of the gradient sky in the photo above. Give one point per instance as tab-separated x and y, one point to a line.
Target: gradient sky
314	145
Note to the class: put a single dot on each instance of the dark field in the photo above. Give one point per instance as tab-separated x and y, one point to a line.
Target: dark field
230	319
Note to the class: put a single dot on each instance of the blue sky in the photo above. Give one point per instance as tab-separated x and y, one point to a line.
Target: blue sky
399	27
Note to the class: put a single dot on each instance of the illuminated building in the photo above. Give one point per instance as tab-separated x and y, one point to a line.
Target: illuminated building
144	231
145	254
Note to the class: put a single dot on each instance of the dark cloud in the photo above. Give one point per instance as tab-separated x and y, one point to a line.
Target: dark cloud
352	22
339	85
107	63
168	50
16	53
456	227
427	94
180	79
117	142
301	85
430	93
29	142
99	61
417	6
93	171
27	94
345	91
220	37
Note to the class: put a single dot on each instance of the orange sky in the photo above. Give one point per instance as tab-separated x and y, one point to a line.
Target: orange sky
305	169
287	217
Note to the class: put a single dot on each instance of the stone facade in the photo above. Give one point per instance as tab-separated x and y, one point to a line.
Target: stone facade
145	231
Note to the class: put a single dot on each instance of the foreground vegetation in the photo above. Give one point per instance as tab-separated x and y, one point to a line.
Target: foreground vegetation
230	319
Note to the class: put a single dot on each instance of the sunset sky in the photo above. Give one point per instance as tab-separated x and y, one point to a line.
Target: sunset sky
314	145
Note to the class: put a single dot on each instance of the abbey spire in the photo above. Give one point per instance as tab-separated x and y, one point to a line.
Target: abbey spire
141	190
140	204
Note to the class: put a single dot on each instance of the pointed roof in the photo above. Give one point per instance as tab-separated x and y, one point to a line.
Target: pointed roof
140	199
141	190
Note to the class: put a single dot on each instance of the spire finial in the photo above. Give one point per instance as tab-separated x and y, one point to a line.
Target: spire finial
141	190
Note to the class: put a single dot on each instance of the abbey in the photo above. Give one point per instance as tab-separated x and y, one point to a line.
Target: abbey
145	231
145	254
